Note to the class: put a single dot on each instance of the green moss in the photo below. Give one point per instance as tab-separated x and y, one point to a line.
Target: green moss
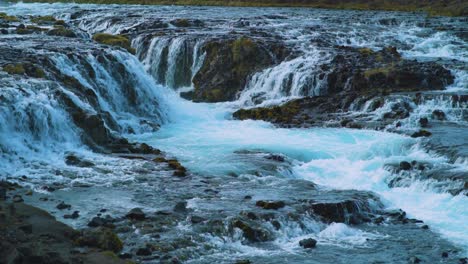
25	68
181	23
29	30
14	68
6	17
379	71
43	20
114	40
60	23
366	51
62	32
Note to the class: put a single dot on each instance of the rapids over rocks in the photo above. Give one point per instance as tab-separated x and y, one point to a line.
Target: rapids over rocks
234	135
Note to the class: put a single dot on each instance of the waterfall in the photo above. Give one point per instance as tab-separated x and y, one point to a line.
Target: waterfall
172	61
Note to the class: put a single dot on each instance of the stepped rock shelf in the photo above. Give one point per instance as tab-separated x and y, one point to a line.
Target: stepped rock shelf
172	134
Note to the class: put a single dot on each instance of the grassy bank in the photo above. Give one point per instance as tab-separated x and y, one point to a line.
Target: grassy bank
433	7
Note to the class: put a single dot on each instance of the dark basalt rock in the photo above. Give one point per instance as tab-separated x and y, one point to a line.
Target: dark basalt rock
421	133
251	231
438	114
73	160
63	206
74	215
423	121
270	205
404	165
136	214
308	243
348	211
227	65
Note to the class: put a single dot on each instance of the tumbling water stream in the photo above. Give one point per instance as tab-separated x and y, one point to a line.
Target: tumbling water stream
207	141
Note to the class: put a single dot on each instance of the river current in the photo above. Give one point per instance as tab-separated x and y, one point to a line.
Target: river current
212	145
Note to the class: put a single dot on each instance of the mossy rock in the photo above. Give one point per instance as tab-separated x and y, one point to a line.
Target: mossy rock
62	32
7	18
114	40
383	71
24	68
29	30
366	51
14	69
44	20
181	22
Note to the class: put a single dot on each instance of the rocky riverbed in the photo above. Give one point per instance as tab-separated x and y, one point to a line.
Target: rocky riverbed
142	129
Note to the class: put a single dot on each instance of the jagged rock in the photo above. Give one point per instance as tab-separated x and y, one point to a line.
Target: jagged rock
308	243
251	231
404	165
354	77
438	114
227	65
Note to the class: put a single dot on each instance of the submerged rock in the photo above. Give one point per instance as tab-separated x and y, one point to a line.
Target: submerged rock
251	231
273	205
308	243
136	214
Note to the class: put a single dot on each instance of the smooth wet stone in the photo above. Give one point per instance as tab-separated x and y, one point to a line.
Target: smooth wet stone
270	205
74	215
136	214
423	122
308	243
421	133
63	206
404	165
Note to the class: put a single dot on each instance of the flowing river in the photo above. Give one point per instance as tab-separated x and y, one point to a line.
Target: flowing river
232	158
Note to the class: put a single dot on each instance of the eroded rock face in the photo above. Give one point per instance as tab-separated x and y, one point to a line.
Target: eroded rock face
229	63
356	77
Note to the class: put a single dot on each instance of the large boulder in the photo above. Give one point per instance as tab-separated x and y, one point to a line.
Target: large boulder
228	65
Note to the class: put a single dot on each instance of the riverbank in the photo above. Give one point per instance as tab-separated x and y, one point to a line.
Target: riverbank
450	8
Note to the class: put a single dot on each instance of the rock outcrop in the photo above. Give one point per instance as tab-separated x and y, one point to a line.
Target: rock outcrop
229	63
356	77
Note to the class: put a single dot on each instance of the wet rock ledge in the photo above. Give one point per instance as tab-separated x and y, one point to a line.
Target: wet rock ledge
358	80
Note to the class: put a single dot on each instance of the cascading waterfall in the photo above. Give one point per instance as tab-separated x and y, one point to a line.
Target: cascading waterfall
293	78
136	98
34	127
172	62
128	94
